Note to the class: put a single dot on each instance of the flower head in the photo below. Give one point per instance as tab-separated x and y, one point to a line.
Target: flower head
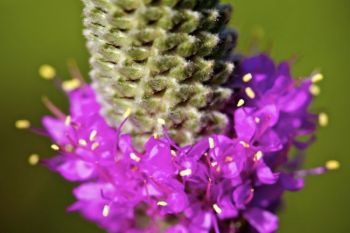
219	183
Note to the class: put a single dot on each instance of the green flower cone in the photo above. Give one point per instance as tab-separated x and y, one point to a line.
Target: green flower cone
162	61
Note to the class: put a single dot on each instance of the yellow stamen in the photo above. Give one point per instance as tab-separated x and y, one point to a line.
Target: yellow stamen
173	153
33	159
93	135
162	203
246	78
244	144
323	119
161	121
258	156
106	210
47	72
82	142
94	145
134	157
213	164
228	159
317	78
332	165
55	147
156	136
22	124
211	143
250	93
68	121
315	90
71	85
186	172
240	103
217	209
127	113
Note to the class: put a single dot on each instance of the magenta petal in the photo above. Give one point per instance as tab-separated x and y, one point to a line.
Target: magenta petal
83	102
89	191
196	151
125	145
179	228
177	202
57	129
263	221
76	170
201	223
157	158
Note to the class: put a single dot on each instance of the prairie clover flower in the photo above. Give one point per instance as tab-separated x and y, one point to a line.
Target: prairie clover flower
220	183
168	138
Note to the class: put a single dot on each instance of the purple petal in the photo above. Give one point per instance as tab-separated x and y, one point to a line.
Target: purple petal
242	195
229	210
245	125
263	221
292	183
265	175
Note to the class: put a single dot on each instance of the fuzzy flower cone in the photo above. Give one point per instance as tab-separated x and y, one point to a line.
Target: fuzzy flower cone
164	59
171	136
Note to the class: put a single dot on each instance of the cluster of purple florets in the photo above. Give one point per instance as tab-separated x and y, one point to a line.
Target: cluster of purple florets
221	184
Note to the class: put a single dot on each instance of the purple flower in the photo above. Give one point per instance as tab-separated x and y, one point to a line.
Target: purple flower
222	184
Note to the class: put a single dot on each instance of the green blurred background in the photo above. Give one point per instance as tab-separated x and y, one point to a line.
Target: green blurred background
40	31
